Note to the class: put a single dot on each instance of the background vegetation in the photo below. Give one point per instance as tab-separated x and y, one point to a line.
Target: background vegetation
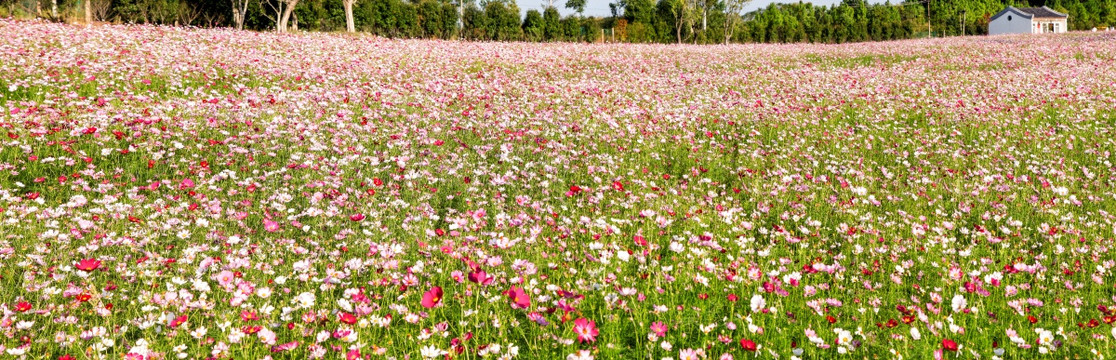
641	21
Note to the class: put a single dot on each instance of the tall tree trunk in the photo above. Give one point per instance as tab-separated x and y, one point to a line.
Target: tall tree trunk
678	32
54	9
88	11
704	18
239	8
284	19
349	24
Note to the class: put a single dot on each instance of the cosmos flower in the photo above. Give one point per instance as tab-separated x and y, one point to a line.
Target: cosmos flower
519	298
88	265
748	345
586	330
432	297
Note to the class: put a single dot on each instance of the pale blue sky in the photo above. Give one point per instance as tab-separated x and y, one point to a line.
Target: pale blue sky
600	7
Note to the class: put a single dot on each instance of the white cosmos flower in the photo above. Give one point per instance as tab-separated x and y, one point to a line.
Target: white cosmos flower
758	303
959	303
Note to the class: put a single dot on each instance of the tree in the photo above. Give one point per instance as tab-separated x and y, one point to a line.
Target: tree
239	9
551	20
732	16
282	9
350	25
682	11
576	5
533	25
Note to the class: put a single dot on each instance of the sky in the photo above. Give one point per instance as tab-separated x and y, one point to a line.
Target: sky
600	7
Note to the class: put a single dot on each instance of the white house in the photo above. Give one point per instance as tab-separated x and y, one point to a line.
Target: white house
1035	20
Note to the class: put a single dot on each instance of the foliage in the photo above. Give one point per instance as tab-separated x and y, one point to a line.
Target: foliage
664	21
186	193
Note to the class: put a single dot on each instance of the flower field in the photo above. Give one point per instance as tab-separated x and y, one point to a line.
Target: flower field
172	193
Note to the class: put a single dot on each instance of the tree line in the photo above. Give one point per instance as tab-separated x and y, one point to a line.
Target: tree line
637	21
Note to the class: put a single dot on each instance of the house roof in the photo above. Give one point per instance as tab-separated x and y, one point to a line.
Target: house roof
1030	13
1043	12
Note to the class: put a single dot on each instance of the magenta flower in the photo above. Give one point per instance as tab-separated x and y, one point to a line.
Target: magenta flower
88	265
432	297
659	328
519	298
586	330
480	277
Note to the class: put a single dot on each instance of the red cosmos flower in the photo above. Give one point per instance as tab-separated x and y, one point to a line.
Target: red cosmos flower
618	186
248	316
347	318
181	319
519	298
83	297
88	265
23	306
586	330
377	182
90	131
949	345
66	357
639	240
432	297
357	217
748	345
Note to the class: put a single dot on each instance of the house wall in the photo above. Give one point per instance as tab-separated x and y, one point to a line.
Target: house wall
1042	25
1017	25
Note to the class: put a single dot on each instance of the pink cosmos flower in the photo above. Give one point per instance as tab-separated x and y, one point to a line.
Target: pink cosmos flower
519	298
480	277
270	225
432	297
186	184
586	330
284	347
225	278
357	217
659	328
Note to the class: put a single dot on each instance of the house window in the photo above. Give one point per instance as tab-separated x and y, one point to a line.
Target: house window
1009	17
